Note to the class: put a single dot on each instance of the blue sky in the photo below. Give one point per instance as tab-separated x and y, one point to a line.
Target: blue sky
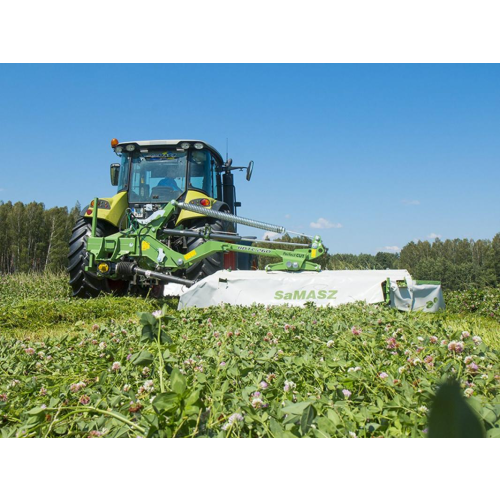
390	153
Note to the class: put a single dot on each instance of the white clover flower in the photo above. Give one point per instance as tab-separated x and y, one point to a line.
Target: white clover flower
420	339
401	369
148	385
484	376
102	346
257	403
126	388
77	387
352	434
329	344
469	392
116	366
235	417
423	409
157	314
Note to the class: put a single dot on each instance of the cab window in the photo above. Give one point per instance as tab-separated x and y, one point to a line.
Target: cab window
202	174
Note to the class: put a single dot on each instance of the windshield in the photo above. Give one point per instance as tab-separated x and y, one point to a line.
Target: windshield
159	176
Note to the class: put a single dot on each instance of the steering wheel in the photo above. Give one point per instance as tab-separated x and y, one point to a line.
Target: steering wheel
166	192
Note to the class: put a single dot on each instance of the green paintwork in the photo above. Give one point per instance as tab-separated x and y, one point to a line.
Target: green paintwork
141	244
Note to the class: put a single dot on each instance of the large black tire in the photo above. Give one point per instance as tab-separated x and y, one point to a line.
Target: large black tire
214	262
83	283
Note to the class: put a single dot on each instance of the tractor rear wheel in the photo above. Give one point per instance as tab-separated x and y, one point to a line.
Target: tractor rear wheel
212	263
84	283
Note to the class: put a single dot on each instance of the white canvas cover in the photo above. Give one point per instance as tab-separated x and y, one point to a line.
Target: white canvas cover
277	288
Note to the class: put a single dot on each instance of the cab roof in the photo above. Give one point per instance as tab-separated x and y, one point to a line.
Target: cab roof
172	142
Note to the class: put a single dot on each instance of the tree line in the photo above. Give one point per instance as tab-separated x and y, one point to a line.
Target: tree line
35	239
459	263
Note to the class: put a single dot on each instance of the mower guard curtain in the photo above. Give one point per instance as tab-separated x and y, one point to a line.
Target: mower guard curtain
426	298
325	288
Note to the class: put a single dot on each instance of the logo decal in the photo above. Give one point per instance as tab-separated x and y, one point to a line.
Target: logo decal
306	295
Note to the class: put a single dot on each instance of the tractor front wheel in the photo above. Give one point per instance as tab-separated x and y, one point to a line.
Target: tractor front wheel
84	283
212	263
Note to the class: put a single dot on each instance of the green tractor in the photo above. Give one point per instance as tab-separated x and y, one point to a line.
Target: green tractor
173	220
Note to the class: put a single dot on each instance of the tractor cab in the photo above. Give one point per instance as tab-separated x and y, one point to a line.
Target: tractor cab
153	173
157	172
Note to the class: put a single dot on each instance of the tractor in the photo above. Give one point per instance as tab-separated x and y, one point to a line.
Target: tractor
173	220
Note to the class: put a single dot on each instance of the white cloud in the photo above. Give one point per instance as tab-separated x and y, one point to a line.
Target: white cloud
410	202
393	249
322	223
270	235
433	236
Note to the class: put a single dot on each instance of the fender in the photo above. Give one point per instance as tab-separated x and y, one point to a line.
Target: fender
117	206
195	195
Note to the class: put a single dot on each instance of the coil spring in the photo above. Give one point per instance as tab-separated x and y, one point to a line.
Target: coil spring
229	217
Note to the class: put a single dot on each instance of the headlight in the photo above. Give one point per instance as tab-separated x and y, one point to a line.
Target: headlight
118	150
129	147
185	145
198	145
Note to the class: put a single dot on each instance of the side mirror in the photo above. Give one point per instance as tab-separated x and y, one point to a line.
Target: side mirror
249	170
114	171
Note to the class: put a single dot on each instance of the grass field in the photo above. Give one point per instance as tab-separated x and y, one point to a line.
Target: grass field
96	368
